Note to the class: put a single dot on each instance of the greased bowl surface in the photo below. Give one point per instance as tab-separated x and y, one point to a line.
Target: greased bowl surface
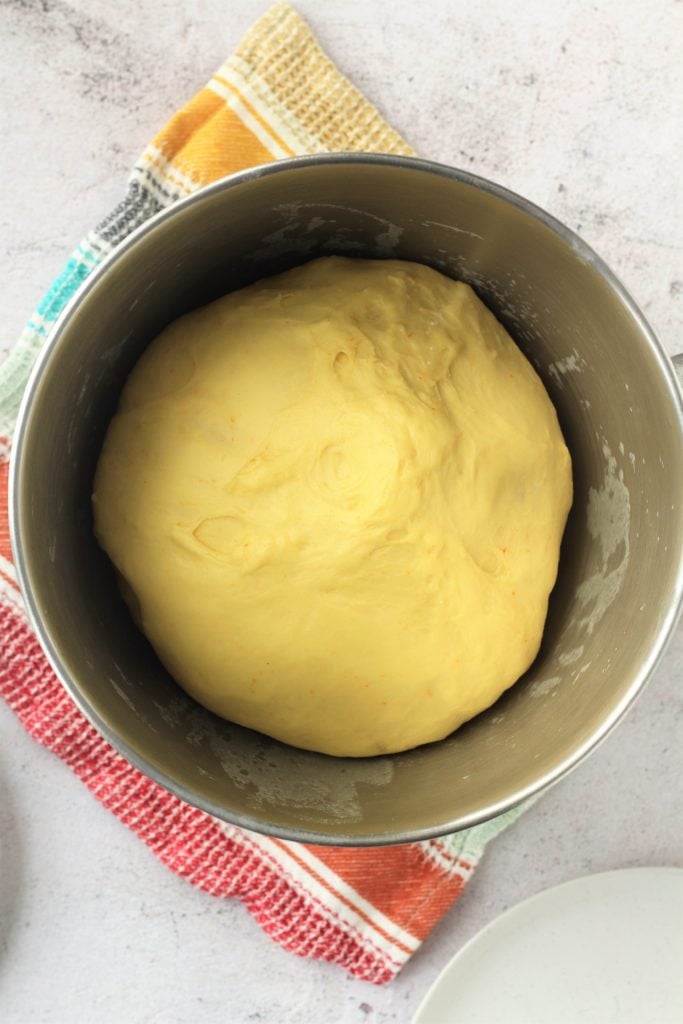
620	580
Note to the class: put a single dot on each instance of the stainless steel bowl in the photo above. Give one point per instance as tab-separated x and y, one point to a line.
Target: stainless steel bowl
619	587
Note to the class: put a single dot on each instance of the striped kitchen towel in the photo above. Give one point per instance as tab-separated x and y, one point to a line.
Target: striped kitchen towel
365	909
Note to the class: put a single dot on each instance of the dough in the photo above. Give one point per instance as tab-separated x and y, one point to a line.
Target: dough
338	497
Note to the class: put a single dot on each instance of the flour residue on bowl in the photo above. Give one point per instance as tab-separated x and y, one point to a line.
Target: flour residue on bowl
573	363
288	778
608	518
451	227
297	233
570	656
542	687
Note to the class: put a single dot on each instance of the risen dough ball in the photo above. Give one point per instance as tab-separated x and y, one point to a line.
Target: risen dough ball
338	497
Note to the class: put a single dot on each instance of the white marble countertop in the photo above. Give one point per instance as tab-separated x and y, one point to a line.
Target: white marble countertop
575	105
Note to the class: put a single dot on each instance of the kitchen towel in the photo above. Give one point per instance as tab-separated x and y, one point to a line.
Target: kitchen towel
367	910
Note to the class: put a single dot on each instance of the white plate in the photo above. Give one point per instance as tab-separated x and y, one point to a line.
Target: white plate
607	949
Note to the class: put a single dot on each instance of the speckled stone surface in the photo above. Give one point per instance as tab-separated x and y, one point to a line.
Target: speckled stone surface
574	104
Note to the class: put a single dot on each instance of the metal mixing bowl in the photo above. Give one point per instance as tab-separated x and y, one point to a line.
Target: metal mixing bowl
620	580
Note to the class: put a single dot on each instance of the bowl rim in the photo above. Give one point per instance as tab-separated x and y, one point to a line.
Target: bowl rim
548	778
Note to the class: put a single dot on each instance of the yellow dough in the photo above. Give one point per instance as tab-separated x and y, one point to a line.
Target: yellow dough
338	496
